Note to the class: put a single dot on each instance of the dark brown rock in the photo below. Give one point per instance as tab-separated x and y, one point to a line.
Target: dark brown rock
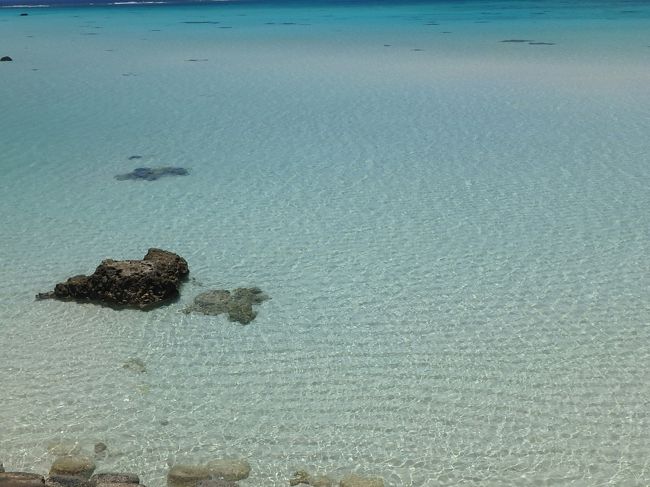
21	479
115	478
142	284
67	481
238	304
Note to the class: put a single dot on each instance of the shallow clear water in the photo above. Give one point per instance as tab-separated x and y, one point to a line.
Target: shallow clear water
455	239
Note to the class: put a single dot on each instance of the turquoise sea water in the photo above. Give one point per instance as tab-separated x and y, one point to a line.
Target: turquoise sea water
454	231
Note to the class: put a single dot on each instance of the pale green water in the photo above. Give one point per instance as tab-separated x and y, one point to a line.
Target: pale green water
455	241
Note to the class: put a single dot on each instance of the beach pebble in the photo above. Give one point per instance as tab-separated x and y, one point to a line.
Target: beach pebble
115	478
354	480
5	58
226	469
187	475
21	479
101	447
76	465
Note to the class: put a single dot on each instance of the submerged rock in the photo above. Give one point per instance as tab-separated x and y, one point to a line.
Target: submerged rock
302	477
143	284
5	58
227	469
21	479
152	173
187	475
354	480
67	481
115	478
73	465
61	448
135	365
238	304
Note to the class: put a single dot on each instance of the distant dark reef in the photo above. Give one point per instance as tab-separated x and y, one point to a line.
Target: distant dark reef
152	173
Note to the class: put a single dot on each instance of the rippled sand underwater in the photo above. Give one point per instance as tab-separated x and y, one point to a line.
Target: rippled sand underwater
452	229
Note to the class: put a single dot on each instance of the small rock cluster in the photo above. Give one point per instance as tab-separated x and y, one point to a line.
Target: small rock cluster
77	471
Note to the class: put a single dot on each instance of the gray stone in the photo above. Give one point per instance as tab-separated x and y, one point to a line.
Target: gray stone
187	475
238	304
354	480
2	468
229	469
21	479
115	478
73	465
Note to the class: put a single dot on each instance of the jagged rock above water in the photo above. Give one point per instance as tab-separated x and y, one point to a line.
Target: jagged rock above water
73	465
5	58
238	304
135	283
354	480
152	173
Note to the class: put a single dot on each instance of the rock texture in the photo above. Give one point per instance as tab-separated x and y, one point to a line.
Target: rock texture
5	58
238	304
143	284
